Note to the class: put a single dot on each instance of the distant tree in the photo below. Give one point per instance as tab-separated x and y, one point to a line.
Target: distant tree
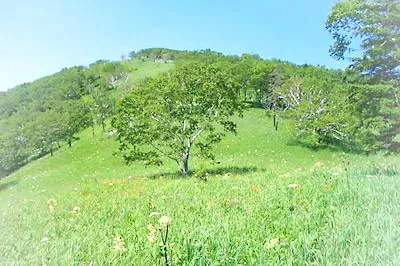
132	54
177	115
260	78
99	101
375	25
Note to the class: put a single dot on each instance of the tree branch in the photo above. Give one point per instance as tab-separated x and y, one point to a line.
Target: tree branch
192	140
164	153
165	127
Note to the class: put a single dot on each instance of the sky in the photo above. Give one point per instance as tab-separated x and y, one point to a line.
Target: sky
41	37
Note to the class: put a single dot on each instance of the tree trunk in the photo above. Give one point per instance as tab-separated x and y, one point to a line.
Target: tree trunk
185	163
103	125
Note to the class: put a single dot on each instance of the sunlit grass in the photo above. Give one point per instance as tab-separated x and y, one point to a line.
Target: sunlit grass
266	202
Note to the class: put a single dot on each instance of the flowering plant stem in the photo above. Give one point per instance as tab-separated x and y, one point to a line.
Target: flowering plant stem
164	240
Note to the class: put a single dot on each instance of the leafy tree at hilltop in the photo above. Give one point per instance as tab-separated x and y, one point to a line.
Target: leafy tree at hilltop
177	115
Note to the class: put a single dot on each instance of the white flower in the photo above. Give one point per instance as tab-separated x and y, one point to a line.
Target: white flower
293	185
75	210
272	243
164	220
44	240
153	214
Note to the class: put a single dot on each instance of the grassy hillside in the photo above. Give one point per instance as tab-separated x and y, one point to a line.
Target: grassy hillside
146	68
268	201
37	117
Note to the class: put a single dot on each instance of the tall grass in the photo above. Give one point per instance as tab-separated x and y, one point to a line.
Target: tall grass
267	202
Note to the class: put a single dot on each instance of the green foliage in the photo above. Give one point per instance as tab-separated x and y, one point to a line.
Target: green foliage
374	23
38	117
169	115
73	207
356	117
330	107
157	54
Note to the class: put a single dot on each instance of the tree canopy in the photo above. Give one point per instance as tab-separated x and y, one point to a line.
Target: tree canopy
375	26
177	115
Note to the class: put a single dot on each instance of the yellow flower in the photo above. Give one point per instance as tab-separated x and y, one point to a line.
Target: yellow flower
119	244
52	204
152	235
318	164
210	204
272	243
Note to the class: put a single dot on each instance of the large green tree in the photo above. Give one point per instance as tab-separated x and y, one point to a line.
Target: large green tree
177	115
374	26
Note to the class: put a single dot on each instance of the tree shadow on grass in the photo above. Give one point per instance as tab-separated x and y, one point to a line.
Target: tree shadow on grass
234	170
7	185
318	147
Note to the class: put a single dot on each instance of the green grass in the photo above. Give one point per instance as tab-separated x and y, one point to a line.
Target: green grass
267	202
146	68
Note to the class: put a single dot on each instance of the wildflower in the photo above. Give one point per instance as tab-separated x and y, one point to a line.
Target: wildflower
325	187
75	210
232	203
164	220
89	197
119	244
52	204
293	186
235	188
210	204
318	164
152	235
153	214
52	201
254	188
335	174
272	243
44	240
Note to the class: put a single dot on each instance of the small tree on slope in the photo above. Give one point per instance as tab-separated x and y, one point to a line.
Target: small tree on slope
177	115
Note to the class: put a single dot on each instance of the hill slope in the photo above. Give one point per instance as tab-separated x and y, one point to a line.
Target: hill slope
268	201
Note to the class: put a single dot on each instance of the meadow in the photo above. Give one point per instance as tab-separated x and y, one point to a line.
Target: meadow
267	201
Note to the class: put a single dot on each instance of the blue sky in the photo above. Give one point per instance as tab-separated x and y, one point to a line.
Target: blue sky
40	37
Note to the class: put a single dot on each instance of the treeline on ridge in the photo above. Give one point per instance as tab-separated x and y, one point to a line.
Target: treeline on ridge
329	107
